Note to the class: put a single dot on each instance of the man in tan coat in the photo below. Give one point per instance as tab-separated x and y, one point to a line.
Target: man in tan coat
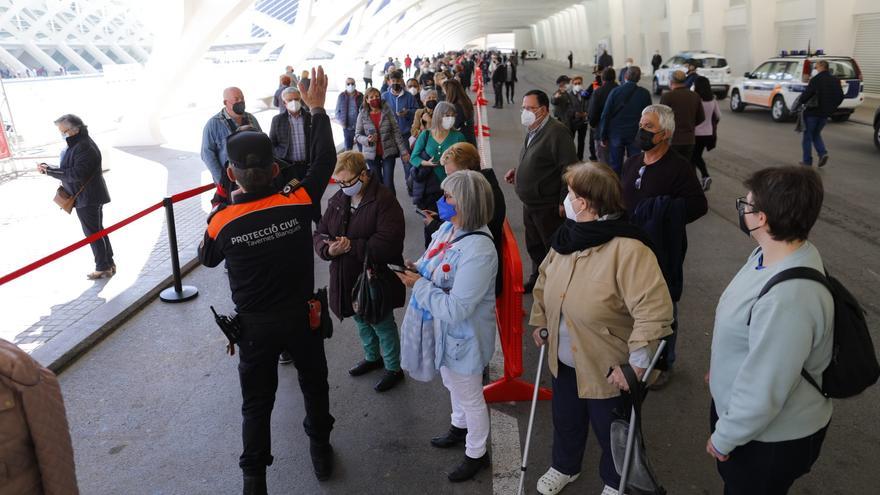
36	456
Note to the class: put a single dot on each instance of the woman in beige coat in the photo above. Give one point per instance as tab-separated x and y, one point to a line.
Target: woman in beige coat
602	296
36	457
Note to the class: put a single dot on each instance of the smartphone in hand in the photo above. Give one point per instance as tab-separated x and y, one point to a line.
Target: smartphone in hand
401	269
328	237
421	213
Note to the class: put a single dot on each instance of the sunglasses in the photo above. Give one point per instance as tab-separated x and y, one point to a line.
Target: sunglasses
639	179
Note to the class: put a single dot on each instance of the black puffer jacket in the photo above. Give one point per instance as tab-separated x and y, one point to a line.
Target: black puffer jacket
826	89
82	161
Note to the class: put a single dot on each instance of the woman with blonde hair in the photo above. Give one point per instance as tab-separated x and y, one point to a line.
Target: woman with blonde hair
602	296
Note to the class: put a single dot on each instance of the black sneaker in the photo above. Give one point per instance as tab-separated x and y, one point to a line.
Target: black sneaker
468	468
322	460
454	436
364	367
823	160
254	485
389	380
285	358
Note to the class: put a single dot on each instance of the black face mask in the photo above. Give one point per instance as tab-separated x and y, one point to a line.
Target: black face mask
238	108
645	139
431	104
742	223
397	87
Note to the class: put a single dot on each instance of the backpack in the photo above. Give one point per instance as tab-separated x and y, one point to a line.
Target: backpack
853	366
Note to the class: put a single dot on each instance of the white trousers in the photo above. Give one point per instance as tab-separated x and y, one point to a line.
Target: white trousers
468	409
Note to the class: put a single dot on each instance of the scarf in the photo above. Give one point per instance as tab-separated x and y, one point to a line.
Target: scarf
576	236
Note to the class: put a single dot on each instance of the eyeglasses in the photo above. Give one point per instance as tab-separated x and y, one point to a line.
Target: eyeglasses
741	204
639	180
447	196
349	183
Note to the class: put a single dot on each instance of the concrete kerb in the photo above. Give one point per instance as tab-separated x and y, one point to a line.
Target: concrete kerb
69	345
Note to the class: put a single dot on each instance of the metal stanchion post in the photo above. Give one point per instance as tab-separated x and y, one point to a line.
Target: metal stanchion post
179	292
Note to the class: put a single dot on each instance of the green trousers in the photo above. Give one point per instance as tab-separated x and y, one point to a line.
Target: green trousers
381	336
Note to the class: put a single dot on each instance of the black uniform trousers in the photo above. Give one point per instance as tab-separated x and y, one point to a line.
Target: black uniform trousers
264	336
91	218
540	222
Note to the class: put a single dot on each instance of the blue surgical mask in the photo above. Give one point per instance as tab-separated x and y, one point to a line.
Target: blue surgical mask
353	189
445	210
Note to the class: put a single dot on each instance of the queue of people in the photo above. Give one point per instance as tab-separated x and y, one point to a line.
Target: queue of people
614	231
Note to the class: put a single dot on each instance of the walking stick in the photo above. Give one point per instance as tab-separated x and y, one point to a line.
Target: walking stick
525	459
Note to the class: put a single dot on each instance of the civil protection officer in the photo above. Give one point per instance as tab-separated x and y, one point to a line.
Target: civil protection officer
266	239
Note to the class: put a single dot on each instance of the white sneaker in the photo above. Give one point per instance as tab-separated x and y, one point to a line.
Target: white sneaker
609	491
553	482
706	182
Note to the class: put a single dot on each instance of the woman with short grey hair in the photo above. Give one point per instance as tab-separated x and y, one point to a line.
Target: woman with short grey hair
80	174
427	172
450	320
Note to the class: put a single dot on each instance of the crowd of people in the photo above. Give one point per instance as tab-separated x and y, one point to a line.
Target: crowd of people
606	236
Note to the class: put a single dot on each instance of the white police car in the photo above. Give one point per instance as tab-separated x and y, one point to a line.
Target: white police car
777	83
711	65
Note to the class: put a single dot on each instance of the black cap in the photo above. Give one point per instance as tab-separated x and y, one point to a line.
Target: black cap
249	149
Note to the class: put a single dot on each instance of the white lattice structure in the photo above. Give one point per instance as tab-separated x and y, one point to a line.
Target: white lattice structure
80	36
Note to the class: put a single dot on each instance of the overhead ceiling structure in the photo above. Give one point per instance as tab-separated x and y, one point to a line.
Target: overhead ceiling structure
81	36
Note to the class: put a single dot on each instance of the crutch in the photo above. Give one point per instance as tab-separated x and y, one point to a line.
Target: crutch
631	434
525	459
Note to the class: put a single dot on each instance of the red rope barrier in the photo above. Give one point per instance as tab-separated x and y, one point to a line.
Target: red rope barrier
103	233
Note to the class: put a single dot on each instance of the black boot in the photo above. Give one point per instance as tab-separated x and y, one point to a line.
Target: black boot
322	460
389	380
364	367
255	485
468	468
452	437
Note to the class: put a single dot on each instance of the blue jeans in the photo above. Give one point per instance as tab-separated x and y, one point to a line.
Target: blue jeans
617	145
348	139
383	168
572	419
813	137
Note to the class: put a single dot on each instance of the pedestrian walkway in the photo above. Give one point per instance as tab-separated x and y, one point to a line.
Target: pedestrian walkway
155	408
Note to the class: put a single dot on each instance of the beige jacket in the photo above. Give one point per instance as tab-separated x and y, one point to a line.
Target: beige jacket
36	456
614	300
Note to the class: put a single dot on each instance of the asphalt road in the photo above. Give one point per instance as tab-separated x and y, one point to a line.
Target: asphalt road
154	409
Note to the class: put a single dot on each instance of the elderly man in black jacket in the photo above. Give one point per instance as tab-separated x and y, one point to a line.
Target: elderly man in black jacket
80	175
290	133
822	97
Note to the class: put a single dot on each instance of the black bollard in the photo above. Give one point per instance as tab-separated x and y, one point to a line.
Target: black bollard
179	292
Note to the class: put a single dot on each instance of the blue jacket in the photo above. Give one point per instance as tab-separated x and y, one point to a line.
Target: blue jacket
344	108
214	135
405	101
621	120
464	318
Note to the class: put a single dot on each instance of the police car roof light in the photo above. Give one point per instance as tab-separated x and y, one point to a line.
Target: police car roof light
820	52
783	53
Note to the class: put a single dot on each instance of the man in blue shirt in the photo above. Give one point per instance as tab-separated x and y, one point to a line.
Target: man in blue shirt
348	105
620	118
402	103
219	127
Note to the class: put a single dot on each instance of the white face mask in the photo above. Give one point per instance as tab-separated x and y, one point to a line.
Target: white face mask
577	88
448	122
350	88
527	118
413	91
569	209
353	189
294	105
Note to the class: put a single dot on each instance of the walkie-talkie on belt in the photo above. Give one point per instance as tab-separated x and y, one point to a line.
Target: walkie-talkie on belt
230	328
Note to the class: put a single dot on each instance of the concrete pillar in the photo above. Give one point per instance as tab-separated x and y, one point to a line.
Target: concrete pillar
761	22
584	42
618	26
678	12
835	26
75	58
42	57
189	29
97	53
632	14
122	54
713	25
10	60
